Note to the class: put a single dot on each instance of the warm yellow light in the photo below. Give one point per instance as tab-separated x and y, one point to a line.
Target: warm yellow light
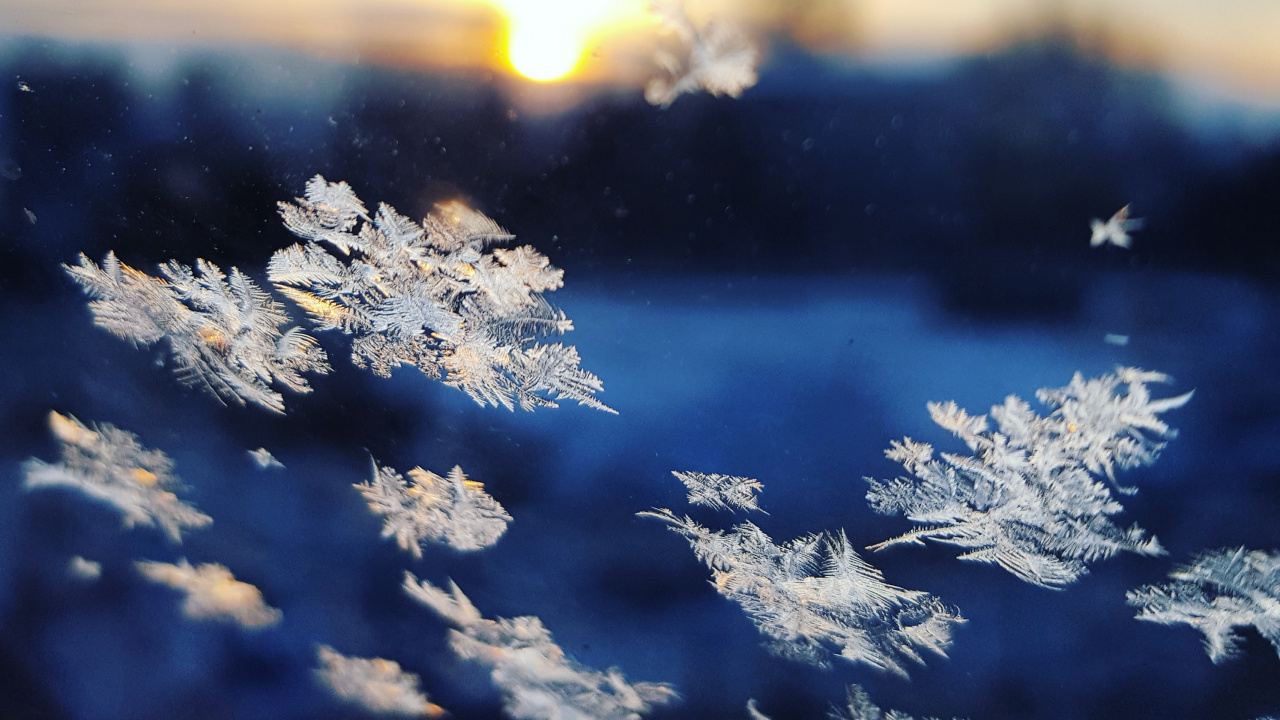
548	40
544	48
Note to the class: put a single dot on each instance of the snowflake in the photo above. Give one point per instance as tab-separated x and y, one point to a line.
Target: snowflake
109	465
1027	499
538	681
1220	591
223	331
433	296
451	509
846	603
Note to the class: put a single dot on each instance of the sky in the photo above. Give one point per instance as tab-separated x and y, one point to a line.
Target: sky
1224	48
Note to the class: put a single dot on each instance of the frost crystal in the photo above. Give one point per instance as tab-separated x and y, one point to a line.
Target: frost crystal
720	492
1027	499
1115	230
213	593
107	464
721	58
432	296
431	508
376	684
223	331
846	603
1220	591
538	681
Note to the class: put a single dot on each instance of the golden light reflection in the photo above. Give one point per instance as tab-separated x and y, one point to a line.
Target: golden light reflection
549	40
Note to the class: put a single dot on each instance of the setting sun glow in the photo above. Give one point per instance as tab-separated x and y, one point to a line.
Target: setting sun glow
548	40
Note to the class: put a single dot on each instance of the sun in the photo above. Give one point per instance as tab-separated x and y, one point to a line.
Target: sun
545	48
548	40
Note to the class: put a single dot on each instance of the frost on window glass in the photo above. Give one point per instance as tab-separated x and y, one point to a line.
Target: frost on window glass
537	679
718	58
375	684
1220	591
1033	497
212	593
720	492
429	508
434	295
109	465
223	331
815	592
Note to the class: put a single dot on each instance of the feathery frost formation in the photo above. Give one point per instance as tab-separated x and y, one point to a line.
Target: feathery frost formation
720	492
538	681
433	296
720	58
109	465
1220	591
430	508
213	593
375	684
1115	230
1027	499
223	331
815	591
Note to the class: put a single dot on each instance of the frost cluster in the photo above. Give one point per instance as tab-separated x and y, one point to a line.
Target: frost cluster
376	684
433	295
213	593
1217	593
430	508
223	331
718	58
538	681
720	492
815	591
1030	497
110	466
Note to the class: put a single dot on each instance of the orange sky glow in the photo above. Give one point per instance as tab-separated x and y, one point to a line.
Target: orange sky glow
1229	46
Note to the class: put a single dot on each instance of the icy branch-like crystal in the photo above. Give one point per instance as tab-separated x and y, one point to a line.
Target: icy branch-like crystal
430	508
108	465
434	296
538	681
223	331
720	492
1220	591
816	591
1028	498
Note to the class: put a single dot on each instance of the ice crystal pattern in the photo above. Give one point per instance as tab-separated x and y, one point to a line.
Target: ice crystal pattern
433	295
375	684
212	593
1030	498
223	331
1217	593
1115	230
538	681
718	58
429	508
110	466
815	591
720	492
